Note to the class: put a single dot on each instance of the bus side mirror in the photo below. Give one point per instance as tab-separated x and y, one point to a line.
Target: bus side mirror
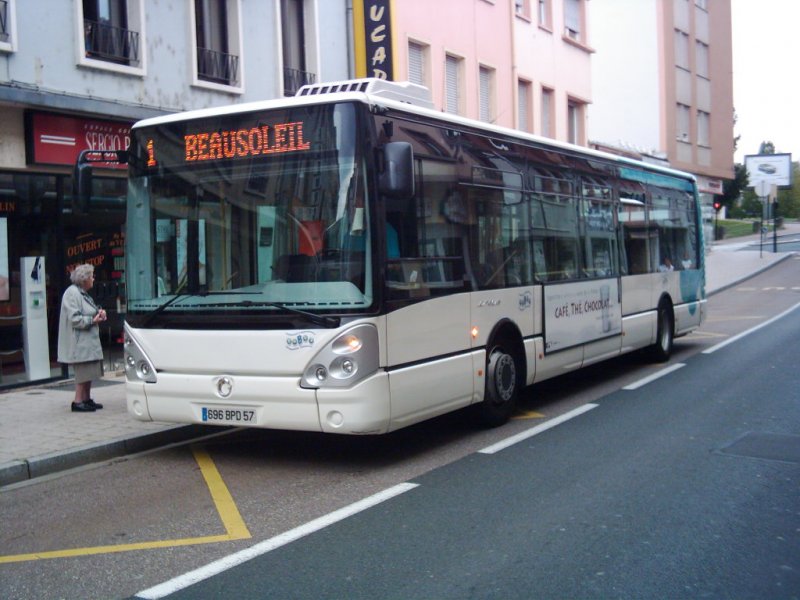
397	176
81	187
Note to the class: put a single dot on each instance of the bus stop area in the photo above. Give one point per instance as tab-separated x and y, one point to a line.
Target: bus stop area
39	435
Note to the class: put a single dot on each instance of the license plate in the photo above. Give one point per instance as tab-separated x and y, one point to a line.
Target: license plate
229	415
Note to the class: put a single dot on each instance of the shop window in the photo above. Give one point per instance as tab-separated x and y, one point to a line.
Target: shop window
217	44
113	35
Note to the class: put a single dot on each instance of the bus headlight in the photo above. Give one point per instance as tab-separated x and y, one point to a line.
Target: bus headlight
349	358
137	366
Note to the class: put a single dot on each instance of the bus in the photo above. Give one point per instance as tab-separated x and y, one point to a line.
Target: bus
352	261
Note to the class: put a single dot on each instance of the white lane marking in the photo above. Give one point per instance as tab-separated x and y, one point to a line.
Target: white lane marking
524	435
657	375
233	560
736	338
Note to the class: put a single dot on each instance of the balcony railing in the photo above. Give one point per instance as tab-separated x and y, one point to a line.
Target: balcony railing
110	43
4	25
218	67
294	79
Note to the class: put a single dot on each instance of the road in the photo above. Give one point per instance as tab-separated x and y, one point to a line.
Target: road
683	487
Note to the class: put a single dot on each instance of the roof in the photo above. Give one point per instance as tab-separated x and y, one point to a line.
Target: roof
400	96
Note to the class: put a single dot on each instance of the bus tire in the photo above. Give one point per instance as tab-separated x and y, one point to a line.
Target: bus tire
665	333
502	389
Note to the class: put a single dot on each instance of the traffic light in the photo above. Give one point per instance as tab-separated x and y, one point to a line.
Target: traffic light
717	206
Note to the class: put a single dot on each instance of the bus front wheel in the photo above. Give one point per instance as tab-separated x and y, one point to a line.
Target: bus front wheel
502	389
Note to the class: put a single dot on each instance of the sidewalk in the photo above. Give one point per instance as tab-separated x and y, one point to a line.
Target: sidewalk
39	435
730	261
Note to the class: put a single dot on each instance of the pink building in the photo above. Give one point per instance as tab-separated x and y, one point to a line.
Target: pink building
523	64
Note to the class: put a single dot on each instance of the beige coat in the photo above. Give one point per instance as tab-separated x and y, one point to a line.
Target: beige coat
78	336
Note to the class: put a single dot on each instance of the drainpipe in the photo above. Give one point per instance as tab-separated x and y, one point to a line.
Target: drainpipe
351	66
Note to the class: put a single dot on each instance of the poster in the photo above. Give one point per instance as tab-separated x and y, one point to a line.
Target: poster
581	312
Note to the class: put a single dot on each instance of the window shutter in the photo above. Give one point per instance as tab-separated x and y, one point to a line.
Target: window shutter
416	65
451	85
522	108
485	77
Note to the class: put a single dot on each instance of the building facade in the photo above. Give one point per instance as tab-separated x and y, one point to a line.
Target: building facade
552	60
523	64
76	75
663	89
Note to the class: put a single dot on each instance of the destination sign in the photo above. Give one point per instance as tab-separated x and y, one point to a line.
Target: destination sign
242	143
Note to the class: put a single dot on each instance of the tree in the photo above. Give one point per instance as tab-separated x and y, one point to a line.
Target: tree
733	188
789	200
766	148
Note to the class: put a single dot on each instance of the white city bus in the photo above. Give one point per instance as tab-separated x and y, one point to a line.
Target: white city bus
352	261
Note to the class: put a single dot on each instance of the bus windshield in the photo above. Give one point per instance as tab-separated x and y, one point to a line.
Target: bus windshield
256	212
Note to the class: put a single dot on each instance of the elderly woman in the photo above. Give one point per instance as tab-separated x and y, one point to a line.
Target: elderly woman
79	337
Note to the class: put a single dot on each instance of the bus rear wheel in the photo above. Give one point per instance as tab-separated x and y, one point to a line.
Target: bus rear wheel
502	389
665	334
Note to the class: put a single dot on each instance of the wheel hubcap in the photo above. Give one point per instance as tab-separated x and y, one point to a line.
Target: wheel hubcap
505	373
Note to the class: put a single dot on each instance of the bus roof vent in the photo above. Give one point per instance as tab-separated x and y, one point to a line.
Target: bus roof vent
402	91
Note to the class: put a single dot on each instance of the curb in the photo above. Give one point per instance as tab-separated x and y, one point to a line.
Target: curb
55	462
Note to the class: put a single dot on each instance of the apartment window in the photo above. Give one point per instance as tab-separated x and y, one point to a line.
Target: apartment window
5	21
452	92
573	20
108	34
701	59
486	91
8	26
218	52
548	118
522	8
682	49
524	106
418	63
575	111
296	72
703	128
682	123
544	13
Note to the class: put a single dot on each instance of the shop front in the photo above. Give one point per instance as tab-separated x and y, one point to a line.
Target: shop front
44	235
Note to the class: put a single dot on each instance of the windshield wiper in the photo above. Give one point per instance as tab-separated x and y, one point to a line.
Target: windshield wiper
321	320
158	310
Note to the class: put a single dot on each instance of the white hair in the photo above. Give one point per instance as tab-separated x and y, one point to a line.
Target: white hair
81	274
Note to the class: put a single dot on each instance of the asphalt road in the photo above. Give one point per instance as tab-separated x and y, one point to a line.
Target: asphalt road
686	487
656	492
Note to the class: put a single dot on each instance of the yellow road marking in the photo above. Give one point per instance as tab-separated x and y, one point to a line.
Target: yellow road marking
226	507
235	528
736	318
528	414
706	334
